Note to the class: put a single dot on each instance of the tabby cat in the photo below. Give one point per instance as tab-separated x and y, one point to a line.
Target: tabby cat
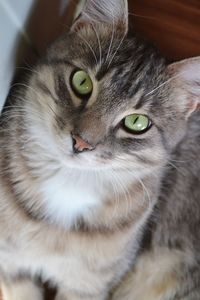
99	141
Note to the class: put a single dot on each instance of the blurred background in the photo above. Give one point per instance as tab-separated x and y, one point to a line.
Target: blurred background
27	27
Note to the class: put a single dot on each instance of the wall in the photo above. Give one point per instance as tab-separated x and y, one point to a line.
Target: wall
173	25
13	16
27	25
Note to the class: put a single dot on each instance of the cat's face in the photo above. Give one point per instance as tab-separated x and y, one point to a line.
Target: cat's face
101	99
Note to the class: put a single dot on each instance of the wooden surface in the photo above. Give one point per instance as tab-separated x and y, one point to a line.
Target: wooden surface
173	25
47	22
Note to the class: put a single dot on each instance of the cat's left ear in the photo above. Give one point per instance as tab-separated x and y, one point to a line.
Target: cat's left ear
108	12
186	81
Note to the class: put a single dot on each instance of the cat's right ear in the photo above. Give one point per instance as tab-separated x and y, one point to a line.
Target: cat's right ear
186	82
108	12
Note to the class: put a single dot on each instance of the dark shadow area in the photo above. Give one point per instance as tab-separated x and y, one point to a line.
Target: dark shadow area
45	23
172	25
48	22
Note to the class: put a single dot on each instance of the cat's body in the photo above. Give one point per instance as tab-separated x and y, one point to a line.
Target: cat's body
169	268
85	262
76	217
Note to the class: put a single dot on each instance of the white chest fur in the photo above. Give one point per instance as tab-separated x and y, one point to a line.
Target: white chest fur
69	195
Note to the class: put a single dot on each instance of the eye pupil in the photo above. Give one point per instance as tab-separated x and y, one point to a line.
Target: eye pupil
135	121
83	81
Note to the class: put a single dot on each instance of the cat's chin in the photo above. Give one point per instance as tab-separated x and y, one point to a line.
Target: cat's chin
111	168
88	166
84	161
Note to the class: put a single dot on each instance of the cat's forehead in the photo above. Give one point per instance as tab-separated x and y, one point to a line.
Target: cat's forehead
125	65
123	72
100	46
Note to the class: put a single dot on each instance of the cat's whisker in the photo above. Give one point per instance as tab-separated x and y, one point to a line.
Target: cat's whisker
99	43
126	193
22	111
116	195
19	97
139	180
145	191
56	115
84	40
167	81
61	145
28	87
143	17
176	168
12	113
112	58
173	165
89	46
28	69
112	38
162	84
36	113
179	161
10	107
123	190
7	116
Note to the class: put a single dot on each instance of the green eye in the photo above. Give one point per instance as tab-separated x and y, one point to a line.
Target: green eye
81	83
137	123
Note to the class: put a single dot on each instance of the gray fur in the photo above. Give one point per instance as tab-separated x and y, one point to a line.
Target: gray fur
153	174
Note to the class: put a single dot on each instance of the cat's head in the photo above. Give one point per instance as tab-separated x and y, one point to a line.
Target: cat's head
102	99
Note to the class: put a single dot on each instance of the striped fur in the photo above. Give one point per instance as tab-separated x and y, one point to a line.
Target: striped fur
77	219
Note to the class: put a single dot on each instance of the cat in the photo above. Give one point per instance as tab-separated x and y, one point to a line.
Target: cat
85	147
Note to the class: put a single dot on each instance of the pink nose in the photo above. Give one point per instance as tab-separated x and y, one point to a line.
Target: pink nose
79	145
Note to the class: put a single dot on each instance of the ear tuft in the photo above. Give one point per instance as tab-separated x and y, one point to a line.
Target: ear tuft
103	11
186	79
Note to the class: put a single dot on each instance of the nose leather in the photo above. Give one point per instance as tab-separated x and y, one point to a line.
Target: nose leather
79	145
